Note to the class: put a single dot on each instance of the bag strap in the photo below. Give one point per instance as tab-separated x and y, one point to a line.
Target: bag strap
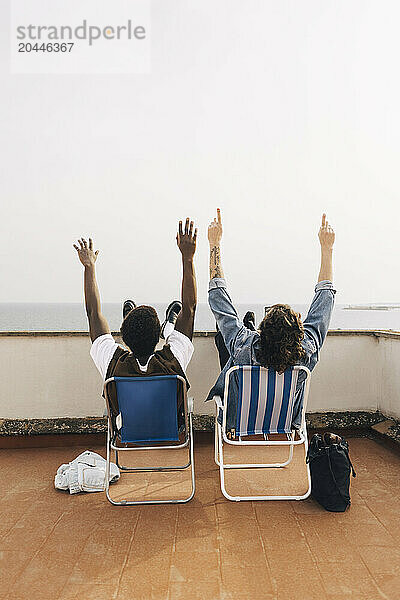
350	463
315	444
345	500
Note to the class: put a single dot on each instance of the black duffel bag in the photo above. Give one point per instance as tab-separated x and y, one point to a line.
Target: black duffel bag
330	467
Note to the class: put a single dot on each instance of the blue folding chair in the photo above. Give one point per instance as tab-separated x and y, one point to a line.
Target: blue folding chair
148	419
264	407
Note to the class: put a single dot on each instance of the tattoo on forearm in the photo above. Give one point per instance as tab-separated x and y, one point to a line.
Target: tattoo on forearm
215	262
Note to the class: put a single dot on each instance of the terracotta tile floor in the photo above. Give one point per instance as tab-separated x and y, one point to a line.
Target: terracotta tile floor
56	546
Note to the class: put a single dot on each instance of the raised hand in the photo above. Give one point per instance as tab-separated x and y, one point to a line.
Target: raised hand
326	238
326	235
215	230
214	238
85	251
186	240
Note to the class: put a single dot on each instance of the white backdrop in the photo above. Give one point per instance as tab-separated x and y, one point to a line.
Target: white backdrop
272	110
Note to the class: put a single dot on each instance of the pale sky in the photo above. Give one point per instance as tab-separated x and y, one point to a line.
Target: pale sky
273	110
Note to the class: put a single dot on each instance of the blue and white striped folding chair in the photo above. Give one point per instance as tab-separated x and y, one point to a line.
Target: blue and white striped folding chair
148	420
264	407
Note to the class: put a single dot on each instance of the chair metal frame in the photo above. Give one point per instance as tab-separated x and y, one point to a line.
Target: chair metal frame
112	439
221	438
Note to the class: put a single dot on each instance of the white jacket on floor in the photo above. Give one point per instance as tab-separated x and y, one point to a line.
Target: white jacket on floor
86	473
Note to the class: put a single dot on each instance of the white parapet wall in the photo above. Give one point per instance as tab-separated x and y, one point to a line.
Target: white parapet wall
52	375
390	374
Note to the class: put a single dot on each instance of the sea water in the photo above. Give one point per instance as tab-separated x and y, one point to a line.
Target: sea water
72	317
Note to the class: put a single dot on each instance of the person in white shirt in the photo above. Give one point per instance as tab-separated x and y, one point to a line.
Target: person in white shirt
141	328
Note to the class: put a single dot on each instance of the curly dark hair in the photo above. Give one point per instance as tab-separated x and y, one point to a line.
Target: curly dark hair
281	332
140	330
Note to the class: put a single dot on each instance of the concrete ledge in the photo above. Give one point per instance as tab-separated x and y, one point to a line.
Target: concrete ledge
337	420
388	429
22	433
14	427
203	422
70	426
343	420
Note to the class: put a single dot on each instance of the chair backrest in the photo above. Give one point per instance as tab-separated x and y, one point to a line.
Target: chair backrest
148	407
265	399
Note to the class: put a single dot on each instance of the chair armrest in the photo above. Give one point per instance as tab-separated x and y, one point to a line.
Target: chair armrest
218	402
190	402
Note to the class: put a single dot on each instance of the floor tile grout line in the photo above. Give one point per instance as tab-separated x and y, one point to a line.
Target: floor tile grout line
386	484
311	553
4	535
130	543
26	565
379	521
382	594
172	551
269	569
76	562
218	550
128	551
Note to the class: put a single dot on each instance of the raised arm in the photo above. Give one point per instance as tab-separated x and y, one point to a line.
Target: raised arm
316	323
214	238
98	324
224	311
326	238
186	241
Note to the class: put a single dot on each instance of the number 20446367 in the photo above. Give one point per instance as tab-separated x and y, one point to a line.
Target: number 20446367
49	47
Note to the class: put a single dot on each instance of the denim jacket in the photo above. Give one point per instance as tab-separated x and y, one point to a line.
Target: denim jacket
243	343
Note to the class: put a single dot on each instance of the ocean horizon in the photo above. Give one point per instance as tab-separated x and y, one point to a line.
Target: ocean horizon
72	317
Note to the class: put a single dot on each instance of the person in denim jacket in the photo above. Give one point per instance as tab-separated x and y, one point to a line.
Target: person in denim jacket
282	339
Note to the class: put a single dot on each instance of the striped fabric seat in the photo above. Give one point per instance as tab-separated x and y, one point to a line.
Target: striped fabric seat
265	402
